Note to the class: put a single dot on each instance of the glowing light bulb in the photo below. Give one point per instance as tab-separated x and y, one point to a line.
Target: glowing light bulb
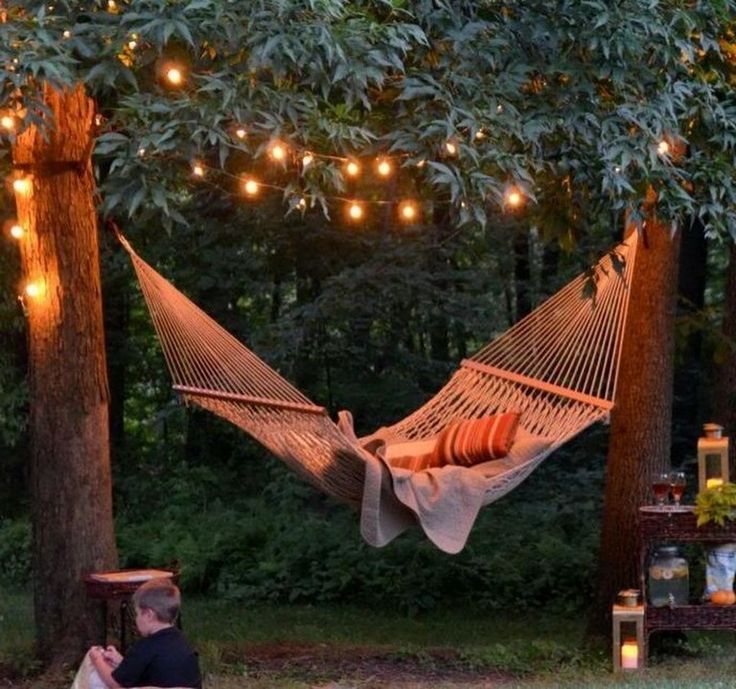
663	147
355	211
301	204
421	163
352	168
479	135
307	159
17	232
35	289
384	168
66	33
141	152
132	44
197	170
451	148
513	197
112	5
277	151
7	122
174	76
240	133
251	187
408	211
22	185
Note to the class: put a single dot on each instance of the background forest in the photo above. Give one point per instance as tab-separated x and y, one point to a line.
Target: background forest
372	319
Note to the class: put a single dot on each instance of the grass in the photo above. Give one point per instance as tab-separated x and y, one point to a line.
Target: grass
543	651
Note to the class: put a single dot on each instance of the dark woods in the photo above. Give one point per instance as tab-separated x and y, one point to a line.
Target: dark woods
371	319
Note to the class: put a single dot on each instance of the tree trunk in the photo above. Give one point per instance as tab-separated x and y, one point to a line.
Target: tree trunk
70	464
116	297
689	371
522	273
641	421
724	395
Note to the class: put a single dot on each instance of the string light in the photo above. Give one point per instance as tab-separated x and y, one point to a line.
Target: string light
17	231
22	185
132	44
251	187
241	133
277	151
479	135
175	76
307	159
451	148
355	211
66	34
7	122
384	167
141	152
112	5
301	204
663	147
352	168
408	211
35	289
197	170
513	197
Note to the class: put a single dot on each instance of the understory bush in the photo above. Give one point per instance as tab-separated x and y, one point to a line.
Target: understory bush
288	544
15	552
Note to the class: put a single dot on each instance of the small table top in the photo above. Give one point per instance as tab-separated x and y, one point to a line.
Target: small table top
123	582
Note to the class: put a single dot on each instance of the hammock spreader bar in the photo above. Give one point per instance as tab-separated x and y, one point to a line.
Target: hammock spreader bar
249	399
538	384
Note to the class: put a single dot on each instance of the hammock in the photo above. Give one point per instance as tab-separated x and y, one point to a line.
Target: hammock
557	366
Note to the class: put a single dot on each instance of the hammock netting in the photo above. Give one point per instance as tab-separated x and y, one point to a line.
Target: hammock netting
557	367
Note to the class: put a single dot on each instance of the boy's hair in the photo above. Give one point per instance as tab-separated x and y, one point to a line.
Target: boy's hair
161	596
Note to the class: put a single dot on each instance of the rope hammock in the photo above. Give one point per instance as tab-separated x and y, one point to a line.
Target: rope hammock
557	367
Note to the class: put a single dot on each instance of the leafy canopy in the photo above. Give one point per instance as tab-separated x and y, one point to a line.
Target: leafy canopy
568	100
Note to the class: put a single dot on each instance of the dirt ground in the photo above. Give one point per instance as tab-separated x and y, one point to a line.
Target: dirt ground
318	666
361	664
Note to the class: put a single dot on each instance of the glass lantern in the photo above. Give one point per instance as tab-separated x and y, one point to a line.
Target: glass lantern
629	648
712	457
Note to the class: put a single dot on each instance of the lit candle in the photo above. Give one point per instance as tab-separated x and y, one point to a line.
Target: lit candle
714	483
629	655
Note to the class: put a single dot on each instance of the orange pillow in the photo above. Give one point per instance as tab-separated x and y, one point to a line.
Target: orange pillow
471	441
413	455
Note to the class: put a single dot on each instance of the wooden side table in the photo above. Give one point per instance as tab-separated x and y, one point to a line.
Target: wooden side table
115	589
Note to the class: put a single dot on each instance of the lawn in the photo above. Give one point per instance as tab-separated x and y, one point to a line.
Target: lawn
299	647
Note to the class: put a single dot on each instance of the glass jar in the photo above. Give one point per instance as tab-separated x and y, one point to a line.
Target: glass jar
668	578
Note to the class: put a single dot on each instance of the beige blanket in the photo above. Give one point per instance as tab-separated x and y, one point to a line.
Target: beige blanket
443	501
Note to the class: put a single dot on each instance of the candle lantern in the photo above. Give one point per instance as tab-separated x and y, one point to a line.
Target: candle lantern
712	457
628	638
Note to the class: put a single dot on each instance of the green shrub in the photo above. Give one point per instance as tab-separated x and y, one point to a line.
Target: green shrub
15	552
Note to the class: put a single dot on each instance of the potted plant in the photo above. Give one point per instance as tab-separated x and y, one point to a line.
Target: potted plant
716	504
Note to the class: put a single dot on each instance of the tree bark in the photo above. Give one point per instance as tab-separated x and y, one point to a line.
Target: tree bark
70	463
641	421
689	372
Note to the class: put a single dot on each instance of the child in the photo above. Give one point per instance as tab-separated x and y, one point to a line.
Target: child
162	658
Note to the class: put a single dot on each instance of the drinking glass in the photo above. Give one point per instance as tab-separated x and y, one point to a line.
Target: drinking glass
661	487
677	486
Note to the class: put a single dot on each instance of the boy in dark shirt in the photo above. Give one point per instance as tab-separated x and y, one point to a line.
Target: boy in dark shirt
163	657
